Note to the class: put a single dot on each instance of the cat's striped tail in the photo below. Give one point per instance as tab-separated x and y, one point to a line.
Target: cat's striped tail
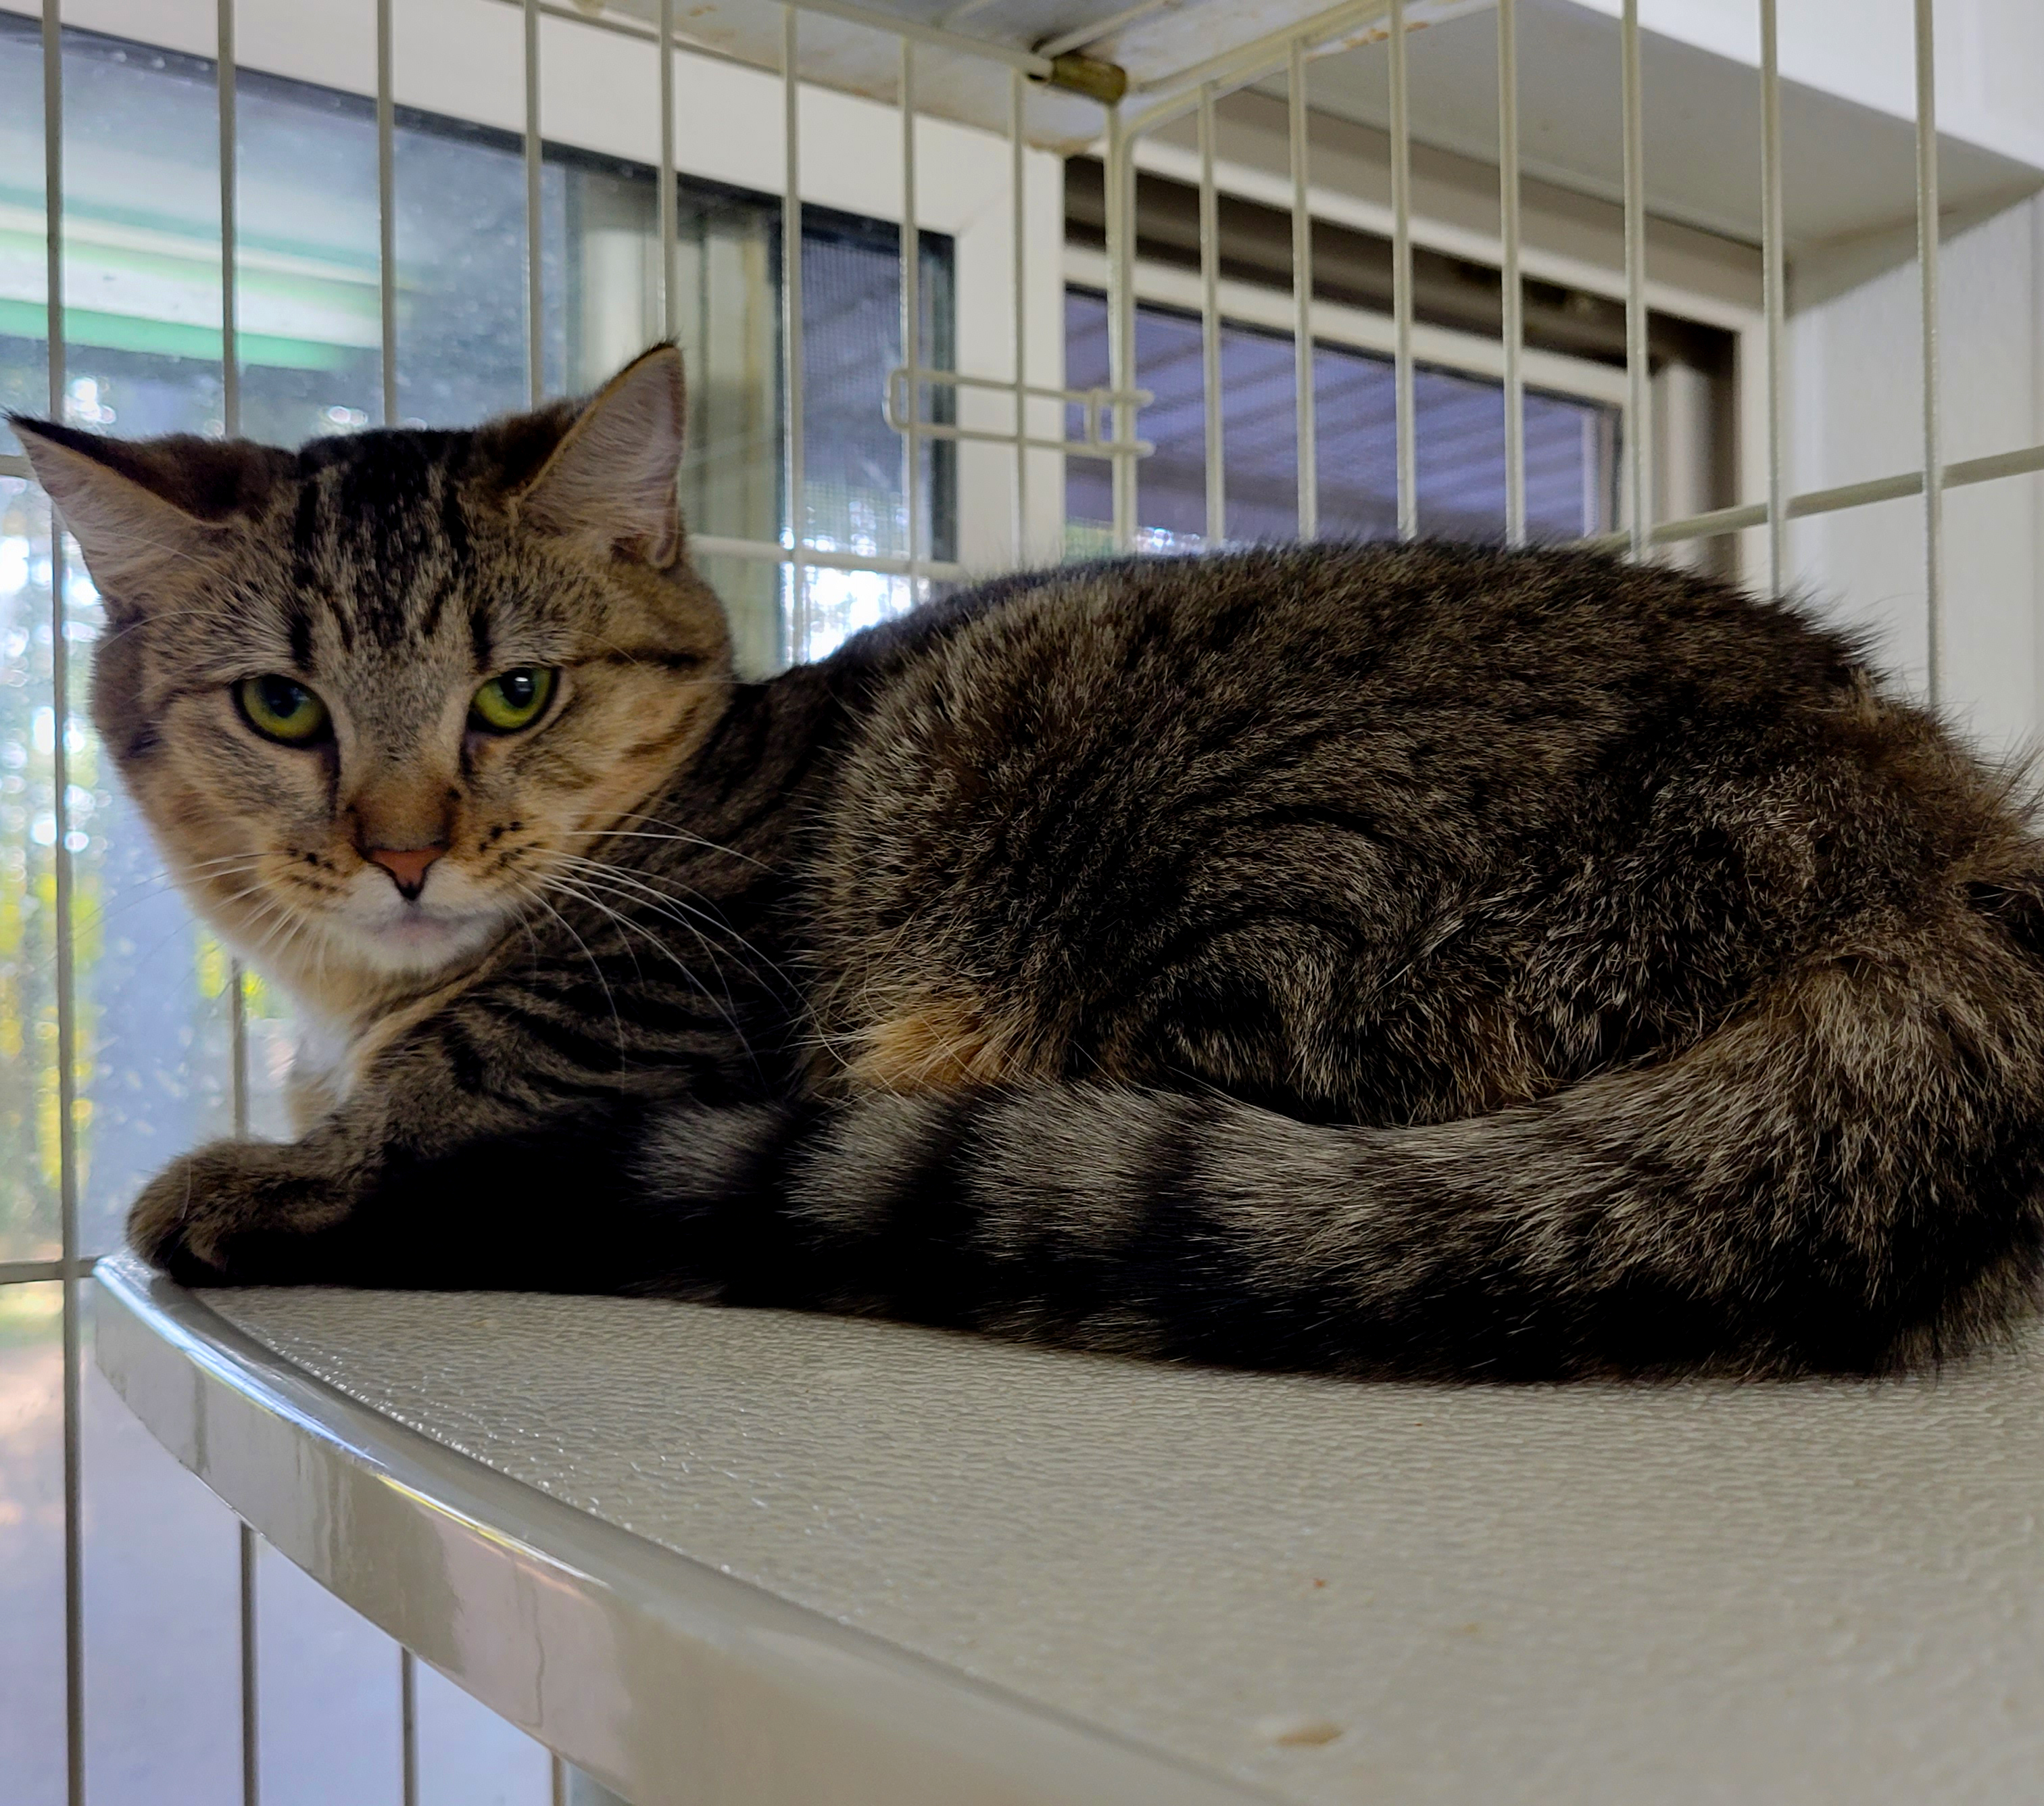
1846	1177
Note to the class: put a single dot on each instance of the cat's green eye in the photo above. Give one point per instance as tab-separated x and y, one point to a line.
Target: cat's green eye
281	709
514	699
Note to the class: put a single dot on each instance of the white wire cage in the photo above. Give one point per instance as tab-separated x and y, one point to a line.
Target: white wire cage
1150	91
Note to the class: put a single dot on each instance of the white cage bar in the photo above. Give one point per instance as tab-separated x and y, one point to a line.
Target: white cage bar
1774	277
791	318
1109	414
1511	284
1210	370
910	242
1018	147
1640	485
230	384
1305	399
71	1267
1401	277
1934	436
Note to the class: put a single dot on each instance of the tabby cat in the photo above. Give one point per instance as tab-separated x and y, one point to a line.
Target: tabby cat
1379	960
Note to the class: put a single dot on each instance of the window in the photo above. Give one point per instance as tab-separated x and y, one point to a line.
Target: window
142	312
1571	443
1573	361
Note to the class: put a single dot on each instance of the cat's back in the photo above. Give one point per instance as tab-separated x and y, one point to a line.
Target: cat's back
1437	625
1432	672
1336	786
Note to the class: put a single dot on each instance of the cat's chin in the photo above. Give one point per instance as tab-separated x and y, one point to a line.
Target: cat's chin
421	941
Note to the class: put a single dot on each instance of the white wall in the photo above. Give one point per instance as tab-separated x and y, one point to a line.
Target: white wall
1855	412
1989	53
1855	394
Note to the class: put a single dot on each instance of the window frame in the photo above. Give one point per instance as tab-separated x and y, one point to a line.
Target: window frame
1265	309
1573	241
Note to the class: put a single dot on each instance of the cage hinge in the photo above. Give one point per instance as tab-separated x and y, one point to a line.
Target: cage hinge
1080	75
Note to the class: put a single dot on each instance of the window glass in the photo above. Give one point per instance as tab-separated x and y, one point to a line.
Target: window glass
28	882
1571	444
140	230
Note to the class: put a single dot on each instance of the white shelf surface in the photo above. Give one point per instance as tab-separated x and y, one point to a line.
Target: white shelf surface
734	1557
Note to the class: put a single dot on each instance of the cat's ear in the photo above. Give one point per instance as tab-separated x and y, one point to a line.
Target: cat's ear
612	478
145	511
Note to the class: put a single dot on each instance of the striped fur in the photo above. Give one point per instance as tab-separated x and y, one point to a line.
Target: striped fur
1372	959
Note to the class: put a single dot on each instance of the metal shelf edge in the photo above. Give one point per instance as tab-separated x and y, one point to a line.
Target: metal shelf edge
663	1678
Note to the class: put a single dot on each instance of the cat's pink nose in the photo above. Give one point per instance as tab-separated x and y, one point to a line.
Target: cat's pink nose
406	865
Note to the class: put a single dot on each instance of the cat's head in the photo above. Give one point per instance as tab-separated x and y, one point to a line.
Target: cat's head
371	695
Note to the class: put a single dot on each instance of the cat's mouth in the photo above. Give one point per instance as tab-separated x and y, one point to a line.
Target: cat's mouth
417	927
402	935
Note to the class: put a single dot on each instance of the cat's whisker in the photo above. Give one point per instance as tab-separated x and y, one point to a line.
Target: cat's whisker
590	900
680	835
643	882
645	818
266	906
131	894
647	884
252	859
728	1008
277	937
594	965
157	617
593	900
594	873
265	891
266	936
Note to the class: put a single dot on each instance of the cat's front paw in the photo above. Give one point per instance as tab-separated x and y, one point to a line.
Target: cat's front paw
239	1213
